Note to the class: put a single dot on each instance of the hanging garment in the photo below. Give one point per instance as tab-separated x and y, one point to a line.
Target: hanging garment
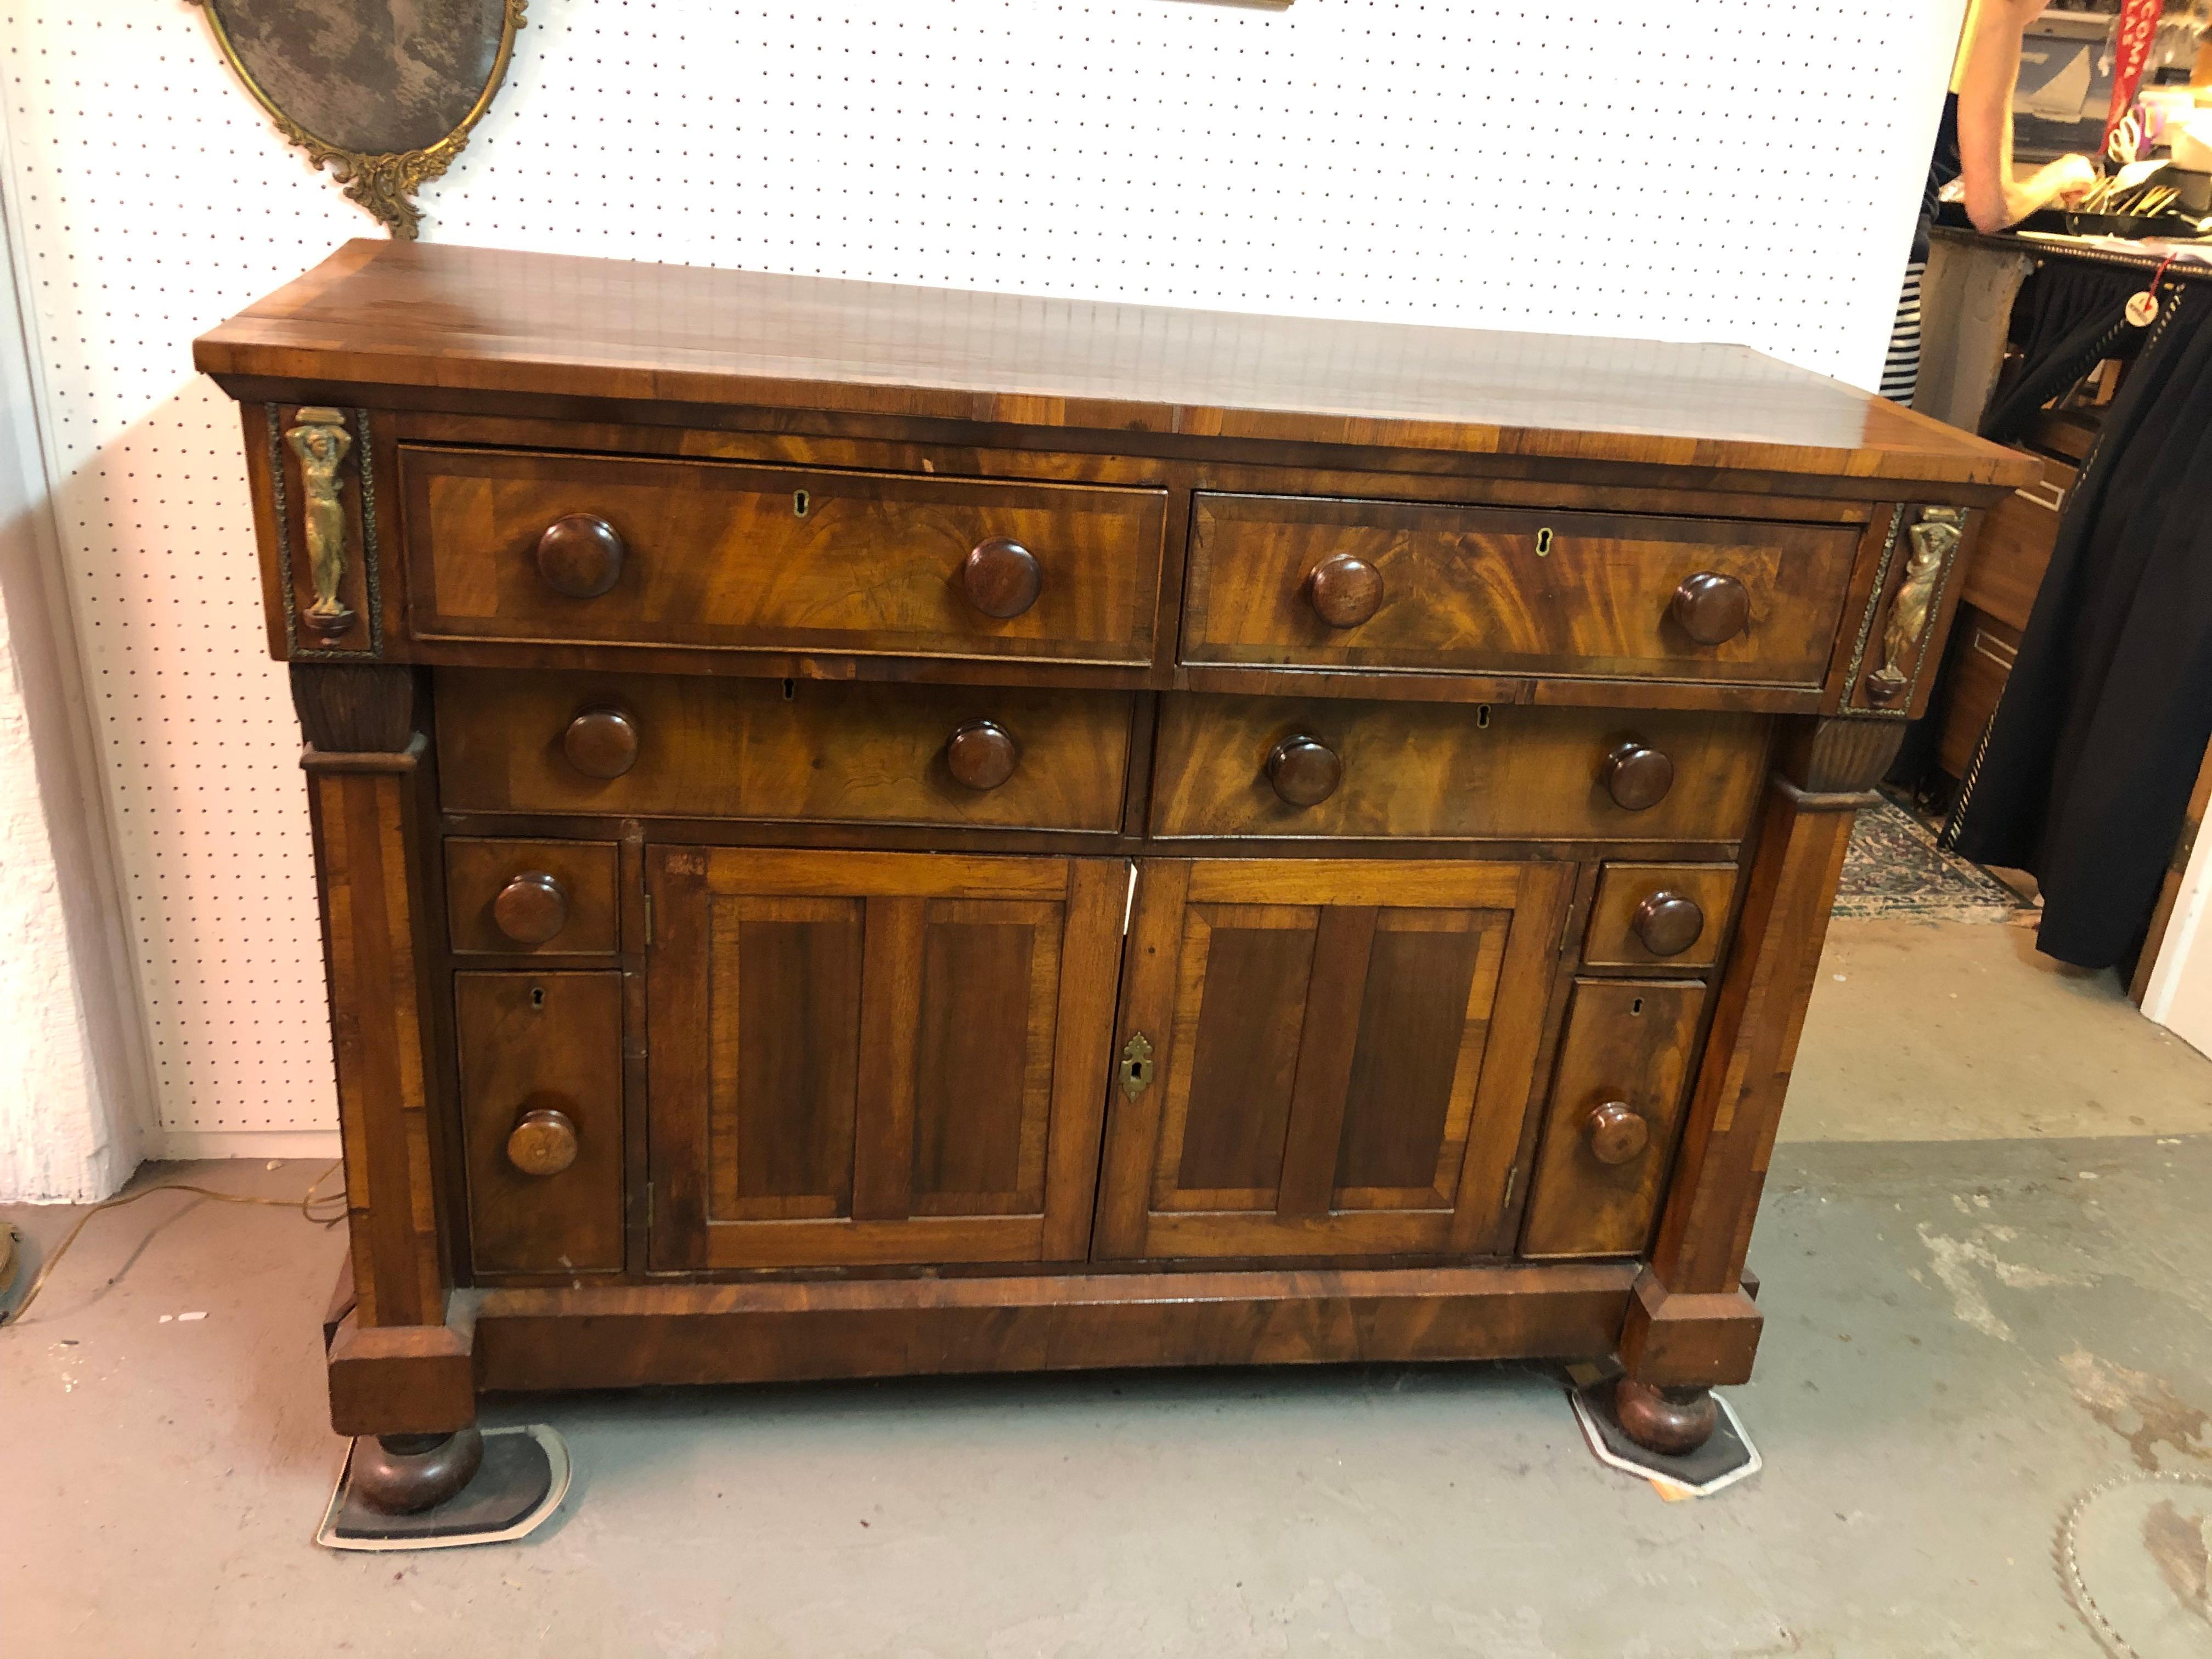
2072	317
2085	774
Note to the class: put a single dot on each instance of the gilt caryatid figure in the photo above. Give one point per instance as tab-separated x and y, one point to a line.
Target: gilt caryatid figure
1934	539
321	442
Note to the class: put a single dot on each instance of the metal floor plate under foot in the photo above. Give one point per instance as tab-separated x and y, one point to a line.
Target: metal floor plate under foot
524	1477
1726	1458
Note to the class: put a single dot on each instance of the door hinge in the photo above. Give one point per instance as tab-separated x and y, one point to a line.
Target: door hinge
1129	899
649	1206
648	921
1512	1180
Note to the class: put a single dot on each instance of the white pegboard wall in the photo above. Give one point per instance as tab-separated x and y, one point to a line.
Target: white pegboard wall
1688	169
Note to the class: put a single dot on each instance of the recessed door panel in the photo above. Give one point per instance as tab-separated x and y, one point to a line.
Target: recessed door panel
1341	1055
863	1057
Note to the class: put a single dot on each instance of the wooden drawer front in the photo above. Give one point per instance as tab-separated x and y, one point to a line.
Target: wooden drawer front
1339	1054
1448	771
775	558
1982	651
542	897
1481	590
775	750
1626	1055
877	1057
1669	917
533	1046
2006	563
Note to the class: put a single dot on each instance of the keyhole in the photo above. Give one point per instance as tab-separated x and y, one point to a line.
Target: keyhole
800	502
1636	1006
1482	715
790	689
537	996
1543	542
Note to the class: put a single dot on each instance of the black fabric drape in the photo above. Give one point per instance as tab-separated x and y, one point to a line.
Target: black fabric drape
2059	298
2086	772
2072	317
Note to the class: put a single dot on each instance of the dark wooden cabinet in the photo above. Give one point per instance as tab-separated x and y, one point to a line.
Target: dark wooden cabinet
863	831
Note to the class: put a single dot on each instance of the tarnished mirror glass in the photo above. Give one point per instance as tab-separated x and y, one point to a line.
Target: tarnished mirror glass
383	92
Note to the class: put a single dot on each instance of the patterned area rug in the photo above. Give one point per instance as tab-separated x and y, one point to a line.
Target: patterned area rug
1894	867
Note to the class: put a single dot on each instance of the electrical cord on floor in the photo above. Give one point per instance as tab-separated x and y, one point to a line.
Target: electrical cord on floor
304	1204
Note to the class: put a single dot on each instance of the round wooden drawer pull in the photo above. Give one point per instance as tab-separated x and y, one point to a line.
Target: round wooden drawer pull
1002	577
580	556
531	908
1711	608
1617	1133
1304	770
1667	923
1344	592
1636	775
981	755
542	1141
601	743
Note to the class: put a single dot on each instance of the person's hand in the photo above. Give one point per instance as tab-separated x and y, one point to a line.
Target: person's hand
2067	179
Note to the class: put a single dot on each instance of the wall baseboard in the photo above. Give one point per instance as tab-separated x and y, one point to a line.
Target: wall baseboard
176	1144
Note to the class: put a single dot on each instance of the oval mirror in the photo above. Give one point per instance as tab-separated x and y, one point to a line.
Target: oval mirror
383	92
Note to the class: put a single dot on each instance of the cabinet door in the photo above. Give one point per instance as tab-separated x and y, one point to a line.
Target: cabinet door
1327	1057
865	1057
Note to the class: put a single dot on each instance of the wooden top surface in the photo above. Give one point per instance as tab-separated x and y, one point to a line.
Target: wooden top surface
481	320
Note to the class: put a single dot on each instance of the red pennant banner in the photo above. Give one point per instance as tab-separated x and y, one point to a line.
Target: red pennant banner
2138	27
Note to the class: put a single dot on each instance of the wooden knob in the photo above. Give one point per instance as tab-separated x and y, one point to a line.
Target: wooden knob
1636	775
542	1141
1617	1132
1666	924
531	908
1709	607
1304	770
1344	592
981	755
601	743
1002	577
580	556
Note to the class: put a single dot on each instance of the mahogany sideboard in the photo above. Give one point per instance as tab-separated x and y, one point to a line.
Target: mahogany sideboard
866	830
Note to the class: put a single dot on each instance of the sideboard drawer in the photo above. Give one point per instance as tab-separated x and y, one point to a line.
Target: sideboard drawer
1328	768
1616	1103
541	1062
674	746
521	546
1669	917
1398	585
532	897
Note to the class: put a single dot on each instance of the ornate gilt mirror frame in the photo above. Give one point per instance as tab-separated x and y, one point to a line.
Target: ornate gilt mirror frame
373	74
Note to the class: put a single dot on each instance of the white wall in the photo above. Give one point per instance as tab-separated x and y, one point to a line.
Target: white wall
1703	169
72	1088
2179	994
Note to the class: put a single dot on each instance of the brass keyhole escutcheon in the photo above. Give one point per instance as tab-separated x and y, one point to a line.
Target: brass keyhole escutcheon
1543	542
1136	1065
801	503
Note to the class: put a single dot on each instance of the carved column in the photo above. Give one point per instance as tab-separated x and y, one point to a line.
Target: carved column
1690	1324
399	1367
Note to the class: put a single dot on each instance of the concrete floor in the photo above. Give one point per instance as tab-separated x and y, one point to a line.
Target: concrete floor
1983	1248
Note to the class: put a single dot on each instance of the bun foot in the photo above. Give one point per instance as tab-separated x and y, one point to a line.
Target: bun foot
401	1473
1672	1422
